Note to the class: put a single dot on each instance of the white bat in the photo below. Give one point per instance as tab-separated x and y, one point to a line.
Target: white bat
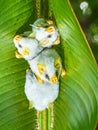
45	63
40	95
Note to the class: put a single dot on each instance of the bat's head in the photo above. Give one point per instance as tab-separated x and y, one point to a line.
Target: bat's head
51	70
46	32
27	47
47	36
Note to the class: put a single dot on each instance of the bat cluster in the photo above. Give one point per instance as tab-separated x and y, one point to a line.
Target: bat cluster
42	79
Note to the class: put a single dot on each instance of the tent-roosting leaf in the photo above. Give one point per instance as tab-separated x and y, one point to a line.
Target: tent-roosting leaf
77	104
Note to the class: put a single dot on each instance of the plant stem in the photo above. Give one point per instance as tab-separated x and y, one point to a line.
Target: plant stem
45	119
43	8
51	117
38	8
50	11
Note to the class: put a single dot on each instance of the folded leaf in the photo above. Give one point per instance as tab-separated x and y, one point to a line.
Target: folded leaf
77	105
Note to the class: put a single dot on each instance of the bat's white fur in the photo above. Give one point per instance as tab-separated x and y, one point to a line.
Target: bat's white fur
45	38
32	49
46	57
41	95
30	44
36	56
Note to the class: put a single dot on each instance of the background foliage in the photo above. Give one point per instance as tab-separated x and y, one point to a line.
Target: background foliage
89	22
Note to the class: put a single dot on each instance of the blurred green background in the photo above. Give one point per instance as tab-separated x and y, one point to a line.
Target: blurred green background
87	14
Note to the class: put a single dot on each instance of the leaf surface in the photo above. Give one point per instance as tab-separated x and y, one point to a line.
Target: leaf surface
77	105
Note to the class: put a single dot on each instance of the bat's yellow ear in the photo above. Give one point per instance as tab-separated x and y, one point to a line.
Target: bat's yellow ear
17	38
50	29
41	68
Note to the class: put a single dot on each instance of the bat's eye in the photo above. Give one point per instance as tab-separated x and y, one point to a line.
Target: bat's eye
46	26
57	73
47	77
49	36
20	46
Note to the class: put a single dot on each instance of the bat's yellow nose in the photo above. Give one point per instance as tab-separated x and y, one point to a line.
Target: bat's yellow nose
26	51
54	79
41	68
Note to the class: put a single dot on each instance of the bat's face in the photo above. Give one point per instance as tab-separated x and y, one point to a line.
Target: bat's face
45	32
51	70
27	47
48	73
46	36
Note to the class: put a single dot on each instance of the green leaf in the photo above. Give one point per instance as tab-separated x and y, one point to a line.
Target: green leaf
77	105
15	17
